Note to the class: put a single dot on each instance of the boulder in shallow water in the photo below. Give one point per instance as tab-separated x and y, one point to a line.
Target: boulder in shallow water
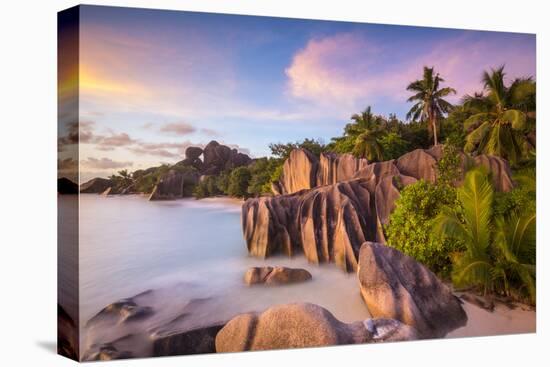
106	352
275	276
301	325
196	341
124	310
396	286
327	224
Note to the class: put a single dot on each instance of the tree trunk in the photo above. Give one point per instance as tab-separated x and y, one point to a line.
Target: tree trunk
434	127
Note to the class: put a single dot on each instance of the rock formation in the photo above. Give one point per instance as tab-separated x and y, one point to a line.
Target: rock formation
335	168
314	213
217	157
303	170
299	172
301	325
124	310
95	185
175	184
327	224
499	169
275	276
419	164
196	341
396	286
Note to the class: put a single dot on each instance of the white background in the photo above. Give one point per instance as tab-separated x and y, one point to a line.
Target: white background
28	181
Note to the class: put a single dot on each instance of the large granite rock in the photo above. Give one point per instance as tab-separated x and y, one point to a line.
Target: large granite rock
196	341
377	171
301	325
299	172
122	311
217	157
275	275
396	286
95	185
418	164
193	153
327	224
499	169
335	168
175	184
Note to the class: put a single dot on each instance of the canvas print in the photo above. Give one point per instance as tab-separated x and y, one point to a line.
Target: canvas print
232	183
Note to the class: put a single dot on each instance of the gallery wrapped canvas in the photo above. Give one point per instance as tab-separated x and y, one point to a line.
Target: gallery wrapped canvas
231	183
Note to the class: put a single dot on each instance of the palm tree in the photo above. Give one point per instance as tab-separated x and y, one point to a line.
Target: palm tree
472	226
498	251
498	116
430	105
360	135
515	241
361	122
367	145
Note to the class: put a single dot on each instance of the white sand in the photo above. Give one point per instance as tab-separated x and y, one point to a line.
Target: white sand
501	321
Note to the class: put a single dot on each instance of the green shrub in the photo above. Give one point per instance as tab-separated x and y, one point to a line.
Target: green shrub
410	225
207	187
393	146
239	180
499	250
263	172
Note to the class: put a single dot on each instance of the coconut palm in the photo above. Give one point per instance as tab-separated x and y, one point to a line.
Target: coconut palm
367	145
361	122
499	119
430	105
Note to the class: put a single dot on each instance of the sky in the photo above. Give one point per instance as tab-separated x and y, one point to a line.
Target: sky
153	82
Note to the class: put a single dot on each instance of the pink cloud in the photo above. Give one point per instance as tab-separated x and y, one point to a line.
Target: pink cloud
348	70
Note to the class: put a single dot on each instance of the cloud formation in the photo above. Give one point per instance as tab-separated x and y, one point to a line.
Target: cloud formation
178	128
104	163
350	68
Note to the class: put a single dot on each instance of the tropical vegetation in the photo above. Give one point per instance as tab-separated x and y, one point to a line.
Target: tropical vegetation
499	250
430	103
460	226
500	117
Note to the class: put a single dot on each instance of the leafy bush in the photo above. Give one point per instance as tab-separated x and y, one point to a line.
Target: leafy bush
499	250
282	151
207	187
239	180
393	146
522	198
449	168
264	171
410	225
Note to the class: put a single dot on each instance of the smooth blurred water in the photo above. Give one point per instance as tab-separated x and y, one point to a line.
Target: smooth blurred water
194	249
